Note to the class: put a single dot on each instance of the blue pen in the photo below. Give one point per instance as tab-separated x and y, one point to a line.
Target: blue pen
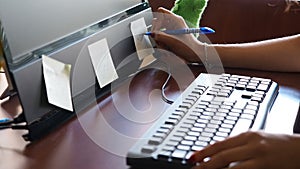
4	120
201	30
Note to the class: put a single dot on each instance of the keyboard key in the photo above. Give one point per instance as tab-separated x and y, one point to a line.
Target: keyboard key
249	111
192	133
210	130
240	105
206	134
177	117
232	118
184	130
207	98
167	126
160	135
155	141
258	99
148	149
197	129
163	130
212	126
194	96
224	130
233	114
221	134
169	148
171	121
246	96
164	155
200	125
188	155
204	121
180	134
226	107
241	126
217	122
176	139
197	148
251	88
248	116
172	143
203	117
178	155
187	142
190	138
183	147
218	138
228	126
204	139
263	87
180	109
229	122
202	143
223	110
194	113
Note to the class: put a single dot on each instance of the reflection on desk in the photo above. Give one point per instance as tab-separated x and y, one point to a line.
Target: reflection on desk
71	147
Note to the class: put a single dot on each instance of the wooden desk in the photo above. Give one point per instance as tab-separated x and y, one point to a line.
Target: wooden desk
71	147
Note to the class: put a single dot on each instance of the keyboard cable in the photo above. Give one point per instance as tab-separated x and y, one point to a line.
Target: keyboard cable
7	123
163	88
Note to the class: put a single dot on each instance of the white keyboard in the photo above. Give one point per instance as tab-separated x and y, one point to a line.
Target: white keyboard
211	109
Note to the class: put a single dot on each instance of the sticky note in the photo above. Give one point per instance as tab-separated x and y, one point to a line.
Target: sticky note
102	62
142	42
147	61
57	81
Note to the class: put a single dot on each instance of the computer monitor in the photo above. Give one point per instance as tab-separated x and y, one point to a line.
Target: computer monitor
62	29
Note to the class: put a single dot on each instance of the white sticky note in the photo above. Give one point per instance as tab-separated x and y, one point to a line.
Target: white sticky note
142	42
57	81
102	62
147	61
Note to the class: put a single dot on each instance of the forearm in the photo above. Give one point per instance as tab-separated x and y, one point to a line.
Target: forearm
275	55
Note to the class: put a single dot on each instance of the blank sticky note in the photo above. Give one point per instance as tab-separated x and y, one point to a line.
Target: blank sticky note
102	62
142	42
57	81
147	61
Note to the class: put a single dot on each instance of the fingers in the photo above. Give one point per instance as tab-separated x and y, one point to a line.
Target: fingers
165	19
218	147
226	157
165	11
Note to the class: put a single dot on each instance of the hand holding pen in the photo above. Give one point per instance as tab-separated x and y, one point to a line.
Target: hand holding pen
187	46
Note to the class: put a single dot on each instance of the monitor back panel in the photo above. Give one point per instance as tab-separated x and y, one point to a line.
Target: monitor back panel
30	85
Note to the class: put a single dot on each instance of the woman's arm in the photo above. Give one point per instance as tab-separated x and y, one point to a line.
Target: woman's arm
281	54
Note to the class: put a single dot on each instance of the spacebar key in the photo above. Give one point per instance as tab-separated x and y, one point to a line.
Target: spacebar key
241	126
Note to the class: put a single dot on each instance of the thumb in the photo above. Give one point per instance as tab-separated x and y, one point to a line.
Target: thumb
164	10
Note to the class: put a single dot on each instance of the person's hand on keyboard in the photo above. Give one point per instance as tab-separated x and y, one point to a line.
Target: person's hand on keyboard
251	150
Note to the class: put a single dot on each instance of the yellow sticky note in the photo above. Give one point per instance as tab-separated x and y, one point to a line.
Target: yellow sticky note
142	42
57	81
102	62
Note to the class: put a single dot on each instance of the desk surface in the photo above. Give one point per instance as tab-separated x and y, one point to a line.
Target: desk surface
76	144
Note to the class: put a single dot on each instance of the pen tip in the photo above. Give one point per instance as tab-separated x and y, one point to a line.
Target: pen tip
148	33
207	30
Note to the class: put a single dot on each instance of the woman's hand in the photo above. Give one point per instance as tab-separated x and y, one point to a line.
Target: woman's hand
185	46
251	150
